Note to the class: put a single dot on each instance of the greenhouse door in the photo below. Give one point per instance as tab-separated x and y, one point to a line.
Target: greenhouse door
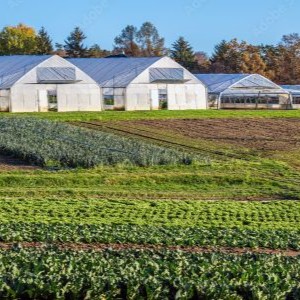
42	101
154	99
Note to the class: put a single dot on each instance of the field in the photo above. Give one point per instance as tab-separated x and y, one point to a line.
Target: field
217	218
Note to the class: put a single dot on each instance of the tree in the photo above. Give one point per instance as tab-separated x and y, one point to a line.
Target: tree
96	51
151	43
226	57
43	42
126	42
289	66
203	62
74	44
16	40
183	53
238	57
252	62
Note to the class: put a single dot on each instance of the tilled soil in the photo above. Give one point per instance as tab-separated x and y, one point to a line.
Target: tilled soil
258	134
11	164
122	247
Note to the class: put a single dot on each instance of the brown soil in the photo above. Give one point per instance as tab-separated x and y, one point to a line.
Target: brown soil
12	164
258	134
122	247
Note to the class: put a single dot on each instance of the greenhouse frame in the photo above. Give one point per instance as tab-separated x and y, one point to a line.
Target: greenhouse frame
244	91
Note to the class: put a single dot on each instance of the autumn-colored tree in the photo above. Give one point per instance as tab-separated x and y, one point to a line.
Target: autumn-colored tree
135	42
203	62
237	57
252	62
151	43
126	42
16	40
289	65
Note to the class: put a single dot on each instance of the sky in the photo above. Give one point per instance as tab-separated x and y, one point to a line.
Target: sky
204	23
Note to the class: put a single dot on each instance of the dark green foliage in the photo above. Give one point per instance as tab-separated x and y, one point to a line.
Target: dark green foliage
279	239
74	44
183	53
43	42
53	144
57	274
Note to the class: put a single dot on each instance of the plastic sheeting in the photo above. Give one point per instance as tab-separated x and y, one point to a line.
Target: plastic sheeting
12	68
239	84
292	89
56	74
113	72
166	74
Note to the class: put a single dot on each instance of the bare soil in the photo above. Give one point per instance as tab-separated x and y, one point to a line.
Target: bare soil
12	164
122	247
257	134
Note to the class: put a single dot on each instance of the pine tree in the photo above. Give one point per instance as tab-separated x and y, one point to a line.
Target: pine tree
183	53
43	42
74	44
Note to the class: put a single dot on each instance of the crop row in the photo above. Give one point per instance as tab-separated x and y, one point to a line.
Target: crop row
227	214
47	143
56	274
150	235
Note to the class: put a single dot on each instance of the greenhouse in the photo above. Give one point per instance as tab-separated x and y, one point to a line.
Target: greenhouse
244	91
294	91
145	83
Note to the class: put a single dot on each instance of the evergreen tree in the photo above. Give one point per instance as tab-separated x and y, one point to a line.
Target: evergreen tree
183	53
43	42
74	44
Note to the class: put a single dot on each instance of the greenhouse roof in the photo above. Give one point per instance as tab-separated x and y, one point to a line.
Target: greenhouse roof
113	72
293	89
13	68
239	84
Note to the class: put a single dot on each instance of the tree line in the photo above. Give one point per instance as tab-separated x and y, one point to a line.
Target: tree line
280	62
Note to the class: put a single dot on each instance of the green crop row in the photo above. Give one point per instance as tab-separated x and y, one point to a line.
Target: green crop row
48	143
56	274
227	214
144	235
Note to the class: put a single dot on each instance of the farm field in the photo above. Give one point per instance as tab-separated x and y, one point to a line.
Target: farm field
217	218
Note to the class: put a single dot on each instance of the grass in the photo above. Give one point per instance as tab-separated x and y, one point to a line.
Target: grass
230	180
107	116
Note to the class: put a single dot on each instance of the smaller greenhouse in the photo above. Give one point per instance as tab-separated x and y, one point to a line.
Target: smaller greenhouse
244	91
294	91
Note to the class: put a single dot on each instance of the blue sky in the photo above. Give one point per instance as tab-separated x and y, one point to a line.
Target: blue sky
203	22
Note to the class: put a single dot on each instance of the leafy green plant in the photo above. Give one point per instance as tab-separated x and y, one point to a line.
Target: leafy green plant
56	274
51	144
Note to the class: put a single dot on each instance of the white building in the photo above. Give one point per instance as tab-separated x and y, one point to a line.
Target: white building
244	91
43	83
144	83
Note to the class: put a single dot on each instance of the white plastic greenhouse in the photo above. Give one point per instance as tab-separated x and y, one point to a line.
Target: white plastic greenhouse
244	91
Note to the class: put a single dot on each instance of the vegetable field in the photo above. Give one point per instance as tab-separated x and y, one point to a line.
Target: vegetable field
55	274
52	144
155	208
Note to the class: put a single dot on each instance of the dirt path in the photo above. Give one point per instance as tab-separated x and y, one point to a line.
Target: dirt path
12	164
258	134
121	247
